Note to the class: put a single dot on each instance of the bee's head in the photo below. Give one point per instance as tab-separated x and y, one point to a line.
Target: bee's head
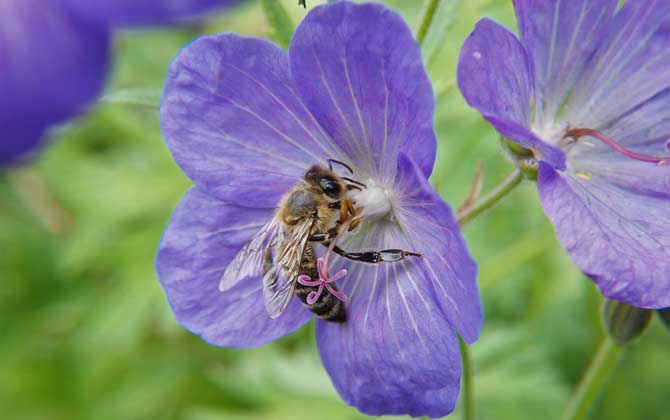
327	181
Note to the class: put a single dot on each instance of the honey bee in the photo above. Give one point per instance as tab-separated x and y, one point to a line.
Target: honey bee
310	212
302	3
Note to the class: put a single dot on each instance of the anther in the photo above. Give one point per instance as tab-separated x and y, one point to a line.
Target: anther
577	133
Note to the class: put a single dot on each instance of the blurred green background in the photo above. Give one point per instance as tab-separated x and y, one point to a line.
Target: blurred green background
86	333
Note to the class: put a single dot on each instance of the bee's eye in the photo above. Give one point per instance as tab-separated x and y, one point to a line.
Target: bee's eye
331	188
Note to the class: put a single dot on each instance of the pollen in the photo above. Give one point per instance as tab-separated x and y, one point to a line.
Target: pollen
584	175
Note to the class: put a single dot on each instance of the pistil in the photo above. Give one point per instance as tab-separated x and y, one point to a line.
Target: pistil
577	133
324	280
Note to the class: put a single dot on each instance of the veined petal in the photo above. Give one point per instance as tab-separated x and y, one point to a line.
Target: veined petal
203	236
613	221
234	123
646	124
398	353
631	66
53	65
495	77
359	70
560	36
144	12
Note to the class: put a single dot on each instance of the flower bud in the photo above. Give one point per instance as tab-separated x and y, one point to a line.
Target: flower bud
665	316
625	322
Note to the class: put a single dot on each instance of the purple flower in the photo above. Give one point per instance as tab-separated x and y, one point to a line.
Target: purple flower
245	121
54	55
587	89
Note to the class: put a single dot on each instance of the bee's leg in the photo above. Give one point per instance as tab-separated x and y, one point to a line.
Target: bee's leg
346	209
324	237
376	257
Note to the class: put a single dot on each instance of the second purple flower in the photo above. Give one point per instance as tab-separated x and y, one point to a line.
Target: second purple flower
586	88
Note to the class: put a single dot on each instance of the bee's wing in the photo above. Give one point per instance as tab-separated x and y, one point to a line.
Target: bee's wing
249	261
279	281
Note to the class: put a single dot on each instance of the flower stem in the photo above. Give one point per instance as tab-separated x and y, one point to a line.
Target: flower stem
279	20
468	391
427	19
489	200
593	380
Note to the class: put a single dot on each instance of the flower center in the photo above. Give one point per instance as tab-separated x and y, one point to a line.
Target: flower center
374	201
574	135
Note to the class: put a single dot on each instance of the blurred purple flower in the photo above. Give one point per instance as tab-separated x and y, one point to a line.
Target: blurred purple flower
245	120
54	55
587	89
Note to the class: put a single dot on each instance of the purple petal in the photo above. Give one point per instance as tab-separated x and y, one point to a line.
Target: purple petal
629	69
144	12
359	70
612	218
203	236
398	353
233	122
560	36
53	66
495	77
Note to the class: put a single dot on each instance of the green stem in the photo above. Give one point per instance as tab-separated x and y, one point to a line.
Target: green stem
279	20
427	19
490	199
593	380
468	395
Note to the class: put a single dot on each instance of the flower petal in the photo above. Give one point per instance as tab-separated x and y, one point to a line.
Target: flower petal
560	36
359	70
613	221
202	238
144	12
495	77
629	69
233	122
398	353
53	65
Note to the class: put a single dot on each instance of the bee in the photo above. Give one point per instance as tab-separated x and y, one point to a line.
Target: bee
302	3
310	212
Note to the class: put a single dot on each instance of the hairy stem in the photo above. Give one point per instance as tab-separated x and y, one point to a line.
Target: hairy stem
592	382
427	19
492	198
468	390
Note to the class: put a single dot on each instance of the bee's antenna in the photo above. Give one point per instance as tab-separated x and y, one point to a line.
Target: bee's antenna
331	161
353	181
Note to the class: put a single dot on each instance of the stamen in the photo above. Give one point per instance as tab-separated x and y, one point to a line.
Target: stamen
577	133
323	281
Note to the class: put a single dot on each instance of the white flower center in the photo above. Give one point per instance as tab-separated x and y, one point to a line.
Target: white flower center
375	201
552	133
